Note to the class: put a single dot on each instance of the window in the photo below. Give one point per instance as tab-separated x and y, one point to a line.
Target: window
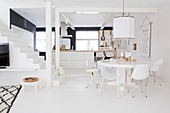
41	40
87	40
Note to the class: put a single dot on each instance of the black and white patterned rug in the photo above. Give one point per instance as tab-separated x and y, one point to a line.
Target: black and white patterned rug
8	94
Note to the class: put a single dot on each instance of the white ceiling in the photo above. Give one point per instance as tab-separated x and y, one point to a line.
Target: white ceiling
109	3
87	3
22	3
87	20
37	15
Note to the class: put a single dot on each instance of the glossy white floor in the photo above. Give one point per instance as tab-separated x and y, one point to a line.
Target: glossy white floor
73	97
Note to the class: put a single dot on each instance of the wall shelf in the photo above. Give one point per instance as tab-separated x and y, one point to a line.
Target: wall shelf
107	39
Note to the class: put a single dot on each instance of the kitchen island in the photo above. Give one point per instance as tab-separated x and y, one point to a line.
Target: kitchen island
79	58
75	59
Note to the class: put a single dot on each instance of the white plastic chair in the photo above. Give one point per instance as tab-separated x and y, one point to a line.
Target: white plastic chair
100	55
109	74
140	73
109	54
154	71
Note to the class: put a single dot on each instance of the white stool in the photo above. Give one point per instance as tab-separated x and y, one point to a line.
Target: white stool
92	71
35	84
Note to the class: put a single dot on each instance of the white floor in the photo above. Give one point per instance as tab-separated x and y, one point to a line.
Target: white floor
73	97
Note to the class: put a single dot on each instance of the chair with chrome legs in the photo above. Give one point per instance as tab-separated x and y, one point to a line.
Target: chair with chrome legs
140	73
154	71
109	75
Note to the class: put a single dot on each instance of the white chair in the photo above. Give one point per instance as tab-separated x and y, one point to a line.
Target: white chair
109	75
140	73
109	54
99	55
154	71
92	71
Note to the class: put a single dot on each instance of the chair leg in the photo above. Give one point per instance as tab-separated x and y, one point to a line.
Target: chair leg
118	93
157	81
154	79
130	87
35	86
101	86
146	84
145	92
133	96
141	86
129	90
92	84
143	89
23	87
107	84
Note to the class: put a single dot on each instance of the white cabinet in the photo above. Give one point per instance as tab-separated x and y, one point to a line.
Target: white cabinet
76	59
65	57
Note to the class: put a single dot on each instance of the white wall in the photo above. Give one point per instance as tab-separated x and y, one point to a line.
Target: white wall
160	45
27	36
160	40
162	48
4	13
139	18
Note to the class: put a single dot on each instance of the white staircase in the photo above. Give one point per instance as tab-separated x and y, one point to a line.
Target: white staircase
19	43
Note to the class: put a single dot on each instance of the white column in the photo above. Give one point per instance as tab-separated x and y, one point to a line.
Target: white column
48	43
57	30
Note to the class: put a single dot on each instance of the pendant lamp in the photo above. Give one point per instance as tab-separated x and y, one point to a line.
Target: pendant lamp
123	26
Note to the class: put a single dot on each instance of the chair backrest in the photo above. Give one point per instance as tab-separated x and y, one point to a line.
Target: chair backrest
160	61
109	54
156	65
100	55
108	72
140	72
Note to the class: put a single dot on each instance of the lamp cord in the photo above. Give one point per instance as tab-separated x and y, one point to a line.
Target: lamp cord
123	8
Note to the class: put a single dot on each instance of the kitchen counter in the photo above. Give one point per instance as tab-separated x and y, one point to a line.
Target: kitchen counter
75	59
79	58
87	51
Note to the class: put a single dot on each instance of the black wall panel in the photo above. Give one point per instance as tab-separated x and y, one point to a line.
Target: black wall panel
20	21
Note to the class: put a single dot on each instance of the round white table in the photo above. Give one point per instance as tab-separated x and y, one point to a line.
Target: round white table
121	65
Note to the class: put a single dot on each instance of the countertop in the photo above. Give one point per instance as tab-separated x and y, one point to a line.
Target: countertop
87	51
